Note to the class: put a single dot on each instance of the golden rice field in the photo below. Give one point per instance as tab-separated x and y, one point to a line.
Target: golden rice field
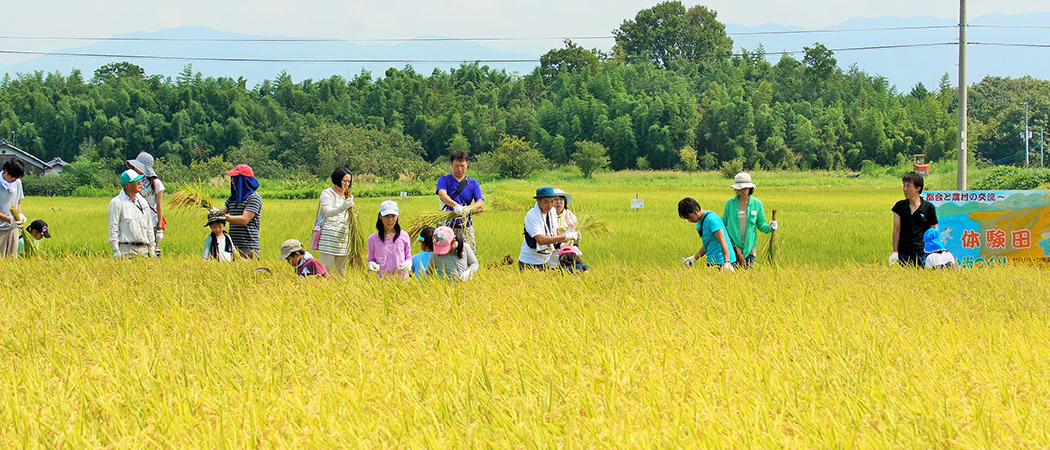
830	349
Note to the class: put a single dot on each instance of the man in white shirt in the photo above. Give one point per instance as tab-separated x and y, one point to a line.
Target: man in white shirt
541	232
131	220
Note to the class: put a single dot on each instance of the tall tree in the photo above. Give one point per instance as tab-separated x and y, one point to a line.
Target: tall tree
669	32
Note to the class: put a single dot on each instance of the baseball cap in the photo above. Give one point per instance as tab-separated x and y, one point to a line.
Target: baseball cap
443	237
388	207
41	226
215	215
289	246
241	169
570	249
129	176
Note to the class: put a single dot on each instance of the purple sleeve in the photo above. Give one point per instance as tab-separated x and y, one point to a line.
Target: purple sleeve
476	192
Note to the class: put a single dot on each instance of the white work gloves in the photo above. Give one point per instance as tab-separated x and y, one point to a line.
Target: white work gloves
572	235
729	267
349	202
465	275
773	225
893	258
19	221
373	266
689	261
405	266
461	210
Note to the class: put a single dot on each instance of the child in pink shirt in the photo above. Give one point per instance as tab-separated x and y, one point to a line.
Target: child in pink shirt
389	248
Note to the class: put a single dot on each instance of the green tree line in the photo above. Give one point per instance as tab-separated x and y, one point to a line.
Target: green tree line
670	94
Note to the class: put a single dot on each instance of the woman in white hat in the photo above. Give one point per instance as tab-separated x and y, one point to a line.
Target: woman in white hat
744	217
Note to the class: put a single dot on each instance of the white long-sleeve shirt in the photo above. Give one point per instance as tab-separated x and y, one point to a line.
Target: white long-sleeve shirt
130	221
334	206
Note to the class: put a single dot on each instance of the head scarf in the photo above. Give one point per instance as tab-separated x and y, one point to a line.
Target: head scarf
241	187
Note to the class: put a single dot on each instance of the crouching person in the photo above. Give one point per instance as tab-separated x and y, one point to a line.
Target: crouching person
292	251
131	220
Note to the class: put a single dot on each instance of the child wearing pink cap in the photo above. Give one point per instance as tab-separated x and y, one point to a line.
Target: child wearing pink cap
452	259
569	260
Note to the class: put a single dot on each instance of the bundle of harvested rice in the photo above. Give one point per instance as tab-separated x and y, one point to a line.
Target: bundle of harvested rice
771	248
191	195
29	248
592	225
357	248
435	218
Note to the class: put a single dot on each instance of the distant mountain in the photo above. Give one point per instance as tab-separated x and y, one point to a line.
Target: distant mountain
903	67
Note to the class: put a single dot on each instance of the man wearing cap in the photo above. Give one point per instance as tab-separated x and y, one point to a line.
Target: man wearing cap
152	191
130	220
457	192
541	232
38	230
243	208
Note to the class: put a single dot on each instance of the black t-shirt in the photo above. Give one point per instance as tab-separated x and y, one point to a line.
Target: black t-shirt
914	225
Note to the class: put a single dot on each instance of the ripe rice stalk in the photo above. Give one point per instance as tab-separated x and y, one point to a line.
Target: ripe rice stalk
771	248
191	195
433	219
592	225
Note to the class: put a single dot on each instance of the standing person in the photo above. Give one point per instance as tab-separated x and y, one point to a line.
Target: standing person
11	196
334	217
242	209
541	232
712	236
744	217
911	218
152	191
389	248
452	258
130	222
218	244
457	192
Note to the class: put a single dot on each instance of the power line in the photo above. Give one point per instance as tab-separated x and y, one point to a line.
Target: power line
482	38
434	39
842	30
401	61
294	40
1010	44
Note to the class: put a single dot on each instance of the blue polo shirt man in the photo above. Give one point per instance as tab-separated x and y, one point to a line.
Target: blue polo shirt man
461	194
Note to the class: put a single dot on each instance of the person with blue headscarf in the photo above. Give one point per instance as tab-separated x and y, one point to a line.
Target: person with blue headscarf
242	209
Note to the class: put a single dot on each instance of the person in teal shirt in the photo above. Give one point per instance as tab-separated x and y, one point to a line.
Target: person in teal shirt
712	235
744	217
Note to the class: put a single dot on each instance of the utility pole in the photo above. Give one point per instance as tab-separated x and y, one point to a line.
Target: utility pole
960	177
1026	135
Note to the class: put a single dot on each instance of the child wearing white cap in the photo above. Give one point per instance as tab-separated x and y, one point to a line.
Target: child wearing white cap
389	248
